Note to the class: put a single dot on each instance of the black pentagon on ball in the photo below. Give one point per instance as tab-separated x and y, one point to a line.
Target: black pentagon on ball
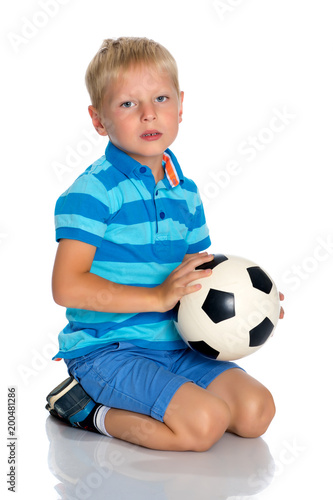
218	258
202	348
175	311
259	279
219	305
260	333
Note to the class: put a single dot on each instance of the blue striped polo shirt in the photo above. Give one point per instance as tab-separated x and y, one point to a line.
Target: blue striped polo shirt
141	231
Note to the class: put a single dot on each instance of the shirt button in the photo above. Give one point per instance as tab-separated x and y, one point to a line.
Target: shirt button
162	215
143	170
156	194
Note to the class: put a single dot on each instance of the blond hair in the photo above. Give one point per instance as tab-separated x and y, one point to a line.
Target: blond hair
118	55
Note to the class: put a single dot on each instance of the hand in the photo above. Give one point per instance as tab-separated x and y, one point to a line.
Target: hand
281	309
176	284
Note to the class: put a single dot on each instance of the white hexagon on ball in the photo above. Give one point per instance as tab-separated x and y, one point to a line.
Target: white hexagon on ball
233	314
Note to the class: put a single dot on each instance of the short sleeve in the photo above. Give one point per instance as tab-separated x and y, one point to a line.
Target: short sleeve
82	212
198	237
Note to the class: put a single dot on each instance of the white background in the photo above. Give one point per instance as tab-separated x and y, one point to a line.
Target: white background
241	63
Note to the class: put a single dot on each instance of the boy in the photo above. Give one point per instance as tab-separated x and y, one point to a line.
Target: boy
131	232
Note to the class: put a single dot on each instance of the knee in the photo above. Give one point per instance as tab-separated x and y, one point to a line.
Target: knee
256	415
210	424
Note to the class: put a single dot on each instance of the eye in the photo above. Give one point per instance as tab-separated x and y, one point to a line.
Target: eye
127	104
161	98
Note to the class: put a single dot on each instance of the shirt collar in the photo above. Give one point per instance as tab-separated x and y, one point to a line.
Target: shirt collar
120	159
123	162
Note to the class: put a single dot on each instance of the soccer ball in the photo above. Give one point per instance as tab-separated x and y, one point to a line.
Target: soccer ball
233	314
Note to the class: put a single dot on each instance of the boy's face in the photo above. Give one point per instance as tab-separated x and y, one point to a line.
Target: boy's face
141	113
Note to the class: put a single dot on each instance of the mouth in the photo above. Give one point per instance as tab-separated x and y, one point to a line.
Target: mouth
151	135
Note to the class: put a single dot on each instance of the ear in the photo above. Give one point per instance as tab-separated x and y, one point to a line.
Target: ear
96	121
181	107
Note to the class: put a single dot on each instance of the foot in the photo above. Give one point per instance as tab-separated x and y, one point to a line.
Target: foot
72	405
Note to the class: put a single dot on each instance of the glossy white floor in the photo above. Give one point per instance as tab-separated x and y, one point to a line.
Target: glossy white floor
257	139
290	461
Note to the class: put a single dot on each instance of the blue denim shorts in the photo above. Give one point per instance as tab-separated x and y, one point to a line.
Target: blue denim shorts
142	380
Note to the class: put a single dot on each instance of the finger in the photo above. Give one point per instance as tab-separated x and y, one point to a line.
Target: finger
191	255
186	290
195	275
281	313
281	296
198	260
191	263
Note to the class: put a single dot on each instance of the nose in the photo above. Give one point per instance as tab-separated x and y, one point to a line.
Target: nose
148	113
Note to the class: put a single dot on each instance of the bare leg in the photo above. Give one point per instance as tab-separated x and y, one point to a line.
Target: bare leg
251	404
195	419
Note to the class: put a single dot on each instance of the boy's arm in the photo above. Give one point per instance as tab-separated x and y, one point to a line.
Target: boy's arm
74	286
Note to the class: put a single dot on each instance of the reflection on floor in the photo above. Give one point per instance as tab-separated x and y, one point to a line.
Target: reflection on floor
91	466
